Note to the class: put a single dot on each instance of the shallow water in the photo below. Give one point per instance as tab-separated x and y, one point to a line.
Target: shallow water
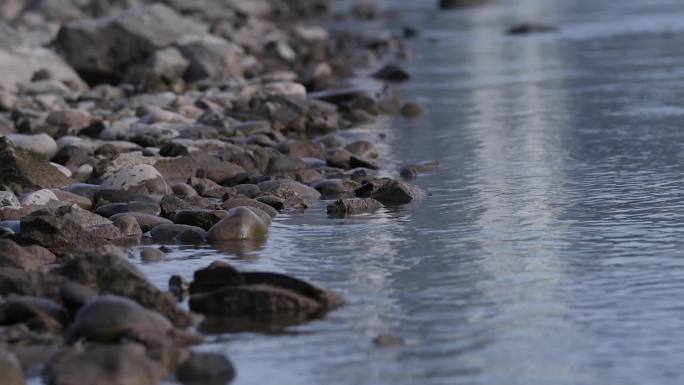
552	248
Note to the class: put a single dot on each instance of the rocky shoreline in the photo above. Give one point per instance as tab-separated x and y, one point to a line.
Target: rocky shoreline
131	123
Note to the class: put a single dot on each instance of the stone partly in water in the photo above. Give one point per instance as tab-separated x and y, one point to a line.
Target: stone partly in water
459	4
206	369
114	319
287	189
413	170
390	192
258	299
103	364
351	206
528	28
240	223
392	73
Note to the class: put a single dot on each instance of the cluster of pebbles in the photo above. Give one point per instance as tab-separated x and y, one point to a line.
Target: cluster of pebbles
131	122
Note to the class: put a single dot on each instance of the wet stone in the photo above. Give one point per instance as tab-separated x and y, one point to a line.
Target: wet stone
351	206
206	369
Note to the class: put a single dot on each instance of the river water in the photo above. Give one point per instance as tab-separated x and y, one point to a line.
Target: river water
551	250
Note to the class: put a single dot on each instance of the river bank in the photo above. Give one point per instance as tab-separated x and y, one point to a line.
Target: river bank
129	125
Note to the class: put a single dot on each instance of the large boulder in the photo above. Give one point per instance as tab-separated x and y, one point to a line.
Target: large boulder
19	64
103	50
27	169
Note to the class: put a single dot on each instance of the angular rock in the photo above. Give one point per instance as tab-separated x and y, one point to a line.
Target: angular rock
287	189
24	62
109	272
103	50
62	236
336	187
27	259
390	192
7	198
210	57
26	169
351	206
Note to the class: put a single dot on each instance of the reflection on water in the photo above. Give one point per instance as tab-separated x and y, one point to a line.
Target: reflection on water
552	248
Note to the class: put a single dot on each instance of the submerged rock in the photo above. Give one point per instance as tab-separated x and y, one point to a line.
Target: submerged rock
528	28
458	4
413	170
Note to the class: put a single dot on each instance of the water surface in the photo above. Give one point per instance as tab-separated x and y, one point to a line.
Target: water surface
552	248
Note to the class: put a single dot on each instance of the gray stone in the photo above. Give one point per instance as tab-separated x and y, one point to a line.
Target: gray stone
7	198
210	57
41	144
286	189
70	119
131	181
26	169
105	49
